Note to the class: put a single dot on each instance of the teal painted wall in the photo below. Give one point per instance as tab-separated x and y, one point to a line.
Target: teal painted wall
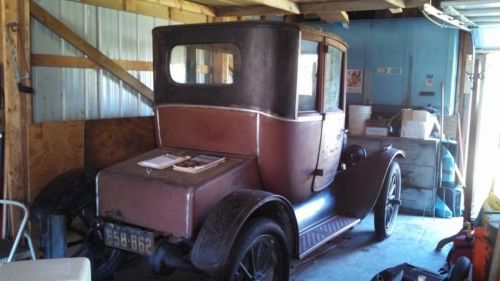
415	50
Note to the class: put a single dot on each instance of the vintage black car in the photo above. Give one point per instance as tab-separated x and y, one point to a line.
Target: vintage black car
267	99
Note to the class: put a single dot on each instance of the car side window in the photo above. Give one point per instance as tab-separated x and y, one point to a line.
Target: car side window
307	76
333	74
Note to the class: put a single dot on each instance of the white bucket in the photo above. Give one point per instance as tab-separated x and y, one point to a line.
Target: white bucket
358	114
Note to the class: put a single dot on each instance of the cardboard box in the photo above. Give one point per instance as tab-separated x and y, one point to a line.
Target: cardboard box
417	124
376	131
417	115
416	129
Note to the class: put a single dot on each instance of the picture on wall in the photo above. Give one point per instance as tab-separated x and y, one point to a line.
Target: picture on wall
355	81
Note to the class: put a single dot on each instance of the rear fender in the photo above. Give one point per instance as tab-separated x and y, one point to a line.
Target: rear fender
361	184
65	194
218	233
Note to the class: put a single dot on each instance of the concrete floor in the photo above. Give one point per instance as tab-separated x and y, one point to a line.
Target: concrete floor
353	256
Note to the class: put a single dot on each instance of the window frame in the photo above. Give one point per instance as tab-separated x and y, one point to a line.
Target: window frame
329	42
342	94
324	42
309	36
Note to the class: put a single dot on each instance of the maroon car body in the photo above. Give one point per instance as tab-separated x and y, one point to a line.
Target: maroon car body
270	98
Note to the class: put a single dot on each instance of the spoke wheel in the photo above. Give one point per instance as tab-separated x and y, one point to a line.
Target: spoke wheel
258	254
85	241
387	206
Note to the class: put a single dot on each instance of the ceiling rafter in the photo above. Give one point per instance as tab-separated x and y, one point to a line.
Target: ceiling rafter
246	11
334	16
358	5
287	6
159	6
258	7
396	3
185	6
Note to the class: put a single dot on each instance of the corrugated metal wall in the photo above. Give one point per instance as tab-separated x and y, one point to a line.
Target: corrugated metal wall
78	94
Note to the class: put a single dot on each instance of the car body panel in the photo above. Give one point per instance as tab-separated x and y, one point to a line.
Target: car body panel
222	226
166	200
265	80
208	128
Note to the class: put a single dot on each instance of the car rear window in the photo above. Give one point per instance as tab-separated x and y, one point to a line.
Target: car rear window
214	64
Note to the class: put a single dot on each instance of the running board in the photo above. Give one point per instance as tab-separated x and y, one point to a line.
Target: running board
316	236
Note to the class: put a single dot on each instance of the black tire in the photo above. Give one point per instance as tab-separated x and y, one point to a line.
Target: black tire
84	240
387	206
460	271
259	253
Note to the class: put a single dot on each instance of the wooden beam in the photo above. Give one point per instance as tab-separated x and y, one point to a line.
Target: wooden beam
286	6
82	62
335	16
247	11
186	16
349	6
94	54
472	141
155	8
130	5
26	100
15	154
142	8
185	6
396	3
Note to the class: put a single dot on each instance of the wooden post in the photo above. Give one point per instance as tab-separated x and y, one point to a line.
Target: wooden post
472	142
464	92
17	106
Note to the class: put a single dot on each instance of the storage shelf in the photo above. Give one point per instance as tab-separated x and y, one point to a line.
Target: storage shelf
418	168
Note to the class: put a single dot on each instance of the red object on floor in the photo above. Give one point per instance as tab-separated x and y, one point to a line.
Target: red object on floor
482	254
462	247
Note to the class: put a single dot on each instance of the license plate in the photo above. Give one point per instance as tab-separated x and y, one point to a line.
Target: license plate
129	238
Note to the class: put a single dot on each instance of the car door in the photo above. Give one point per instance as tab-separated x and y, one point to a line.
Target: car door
332	104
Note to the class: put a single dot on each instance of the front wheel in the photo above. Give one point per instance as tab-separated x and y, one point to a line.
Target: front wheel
387	206
259	253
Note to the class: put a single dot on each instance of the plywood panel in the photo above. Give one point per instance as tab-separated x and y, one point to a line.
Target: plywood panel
53	149
110	141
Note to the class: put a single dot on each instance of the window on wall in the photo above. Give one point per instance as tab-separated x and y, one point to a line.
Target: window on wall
204	63
333	74
307	75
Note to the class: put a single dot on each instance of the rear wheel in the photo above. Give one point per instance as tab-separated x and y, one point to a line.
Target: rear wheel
387	206
84	240
258	254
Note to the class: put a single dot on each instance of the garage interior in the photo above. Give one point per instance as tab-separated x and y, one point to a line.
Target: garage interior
78	93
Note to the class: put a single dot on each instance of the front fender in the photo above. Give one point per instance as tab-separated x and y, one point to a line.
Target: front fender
361	184
65	194
215	239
